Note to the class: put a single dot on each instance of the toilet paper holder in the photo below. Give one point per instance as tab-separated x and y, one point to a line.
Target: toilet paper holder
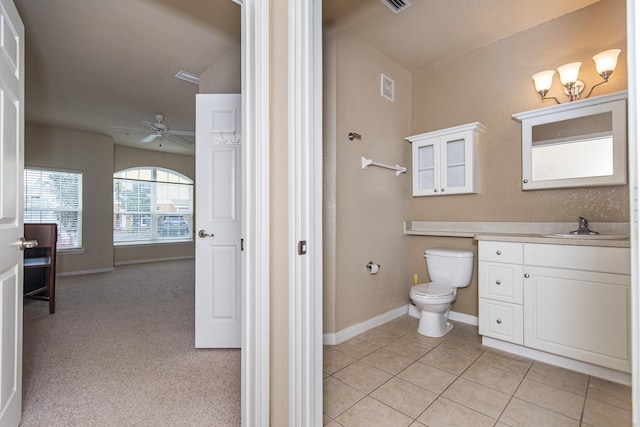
372	267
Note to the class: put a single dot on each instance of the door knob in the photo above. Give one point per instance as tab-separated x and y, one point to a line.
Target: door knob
204	234
27	244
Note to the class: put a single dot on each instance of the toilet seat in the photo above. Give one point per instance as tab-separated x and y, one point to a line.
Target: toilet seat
432	290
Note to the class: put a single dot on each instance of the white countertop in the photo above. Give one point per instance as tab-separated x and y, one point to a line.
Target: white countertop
538	238
525	232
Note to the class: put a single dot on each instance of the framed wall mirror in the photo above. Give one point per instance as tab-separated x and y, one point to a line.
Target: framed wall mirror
576	144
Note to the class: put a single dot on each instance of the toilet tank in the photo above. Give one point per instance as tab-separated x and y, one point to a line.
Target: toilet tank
451	267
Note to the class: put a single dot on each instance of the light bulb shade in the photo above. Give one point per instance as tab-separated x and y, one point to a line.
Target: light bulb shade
569	72
606	61
543	80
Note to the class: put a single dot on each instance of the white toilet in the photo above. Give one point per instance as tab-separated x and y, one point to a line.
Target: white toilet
449	269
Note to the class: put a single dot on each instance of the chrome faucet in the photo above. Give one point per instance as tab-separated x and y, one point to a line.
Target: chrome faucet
583	227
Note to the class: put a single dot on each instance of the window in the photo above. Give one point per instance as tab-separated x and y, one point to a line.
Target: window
152	205
55	196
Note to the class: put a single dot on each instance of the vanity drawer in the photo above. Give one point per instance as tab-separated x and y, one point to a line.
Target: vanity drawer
498	281
510	252
501	320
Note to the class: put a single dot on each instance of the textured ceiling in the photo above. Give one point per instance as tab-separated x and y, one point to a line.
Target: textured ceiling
95	64
430	31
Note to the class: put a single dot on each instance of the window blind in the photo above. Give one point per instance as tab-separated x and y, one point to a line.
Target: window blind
150	205
53	196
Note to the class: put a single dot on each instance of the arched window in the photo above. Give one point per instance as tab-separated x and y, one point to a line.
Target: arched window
152	205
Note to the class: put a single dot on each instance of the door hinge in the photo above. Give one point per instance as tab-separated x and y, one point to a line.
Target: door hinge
302	247
241	244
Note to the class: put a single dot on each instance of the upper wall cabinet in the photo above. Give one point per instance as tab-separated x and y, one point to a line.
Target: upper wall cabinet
444	160
576	144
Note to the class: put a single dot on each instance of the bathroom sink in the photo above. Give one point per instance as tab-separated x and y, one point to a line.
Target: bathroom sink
586	236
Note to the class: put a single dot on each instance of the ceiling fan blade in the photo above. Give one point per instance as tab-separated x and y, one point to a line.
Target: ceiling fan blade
150	126
150	138
181	132
180	139
129	129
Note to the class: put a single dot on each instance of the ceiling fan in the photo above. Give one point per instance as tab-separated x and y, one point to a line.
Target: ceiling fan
159	129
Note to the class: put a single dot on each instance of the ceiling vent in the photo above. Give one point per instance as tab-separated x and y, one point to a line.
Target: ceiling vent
396	6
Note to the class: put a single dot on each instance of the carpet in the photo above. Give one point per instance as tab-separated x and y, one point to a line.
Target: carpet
119	351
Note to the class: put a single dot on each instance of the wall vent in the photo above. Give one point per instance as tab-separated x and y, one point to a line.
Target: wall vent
386	87
396	6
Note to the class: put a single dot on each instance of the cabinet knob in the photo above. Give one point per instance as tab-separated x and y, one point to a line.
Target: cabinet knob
526	181
498	252
442	189
435	190
498	282
526	275
499	322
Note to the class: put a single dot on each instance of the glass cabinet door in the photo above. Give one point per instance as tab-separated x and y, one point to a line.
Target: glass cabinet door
426	165
455	171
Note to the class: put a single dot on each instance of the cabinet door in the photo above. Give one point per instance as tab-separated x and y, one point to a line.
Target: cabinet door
578	314
456	163
426	167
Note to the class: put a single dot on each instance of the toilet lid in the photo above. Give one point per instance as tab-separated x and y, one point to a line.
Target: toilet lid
432	290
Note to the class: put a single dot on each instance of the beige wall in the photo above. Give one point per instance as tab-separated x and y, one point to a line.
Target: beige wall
90	153
127	157
279	217
489	85
97	158
364	209
224	75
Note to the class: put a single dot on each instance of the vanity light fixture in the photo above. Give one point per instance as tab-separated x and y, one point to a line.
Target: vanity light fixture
605	64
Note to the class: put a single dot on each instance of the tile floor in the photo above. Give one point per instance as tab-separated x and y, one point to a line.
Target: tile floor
393	376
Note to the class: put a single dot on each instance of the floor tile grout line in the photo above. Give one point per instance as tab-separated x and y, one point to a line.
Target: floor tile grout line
558	388
513	395
584	403
441	395
461	336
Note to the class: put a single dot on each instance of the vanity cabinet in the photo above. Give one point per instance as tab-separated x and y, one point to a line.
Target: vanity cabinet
573	301
444	161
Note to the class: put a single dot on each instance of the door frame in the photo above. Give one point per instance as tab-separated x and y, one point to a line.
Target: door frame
305	106
633	112
255	207
305	201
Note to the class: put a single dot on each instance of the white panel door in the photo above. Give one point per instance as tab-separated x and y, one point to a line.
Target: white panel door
11	169
218	221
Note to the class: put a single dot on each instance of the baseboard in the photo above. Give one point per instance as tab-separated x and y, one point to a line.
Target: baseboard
83	272
146	261
563	362
352	331
463	318
453	315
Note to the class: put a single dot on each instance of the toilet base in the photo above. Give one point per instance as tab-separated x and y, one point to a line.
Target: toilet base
434	325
